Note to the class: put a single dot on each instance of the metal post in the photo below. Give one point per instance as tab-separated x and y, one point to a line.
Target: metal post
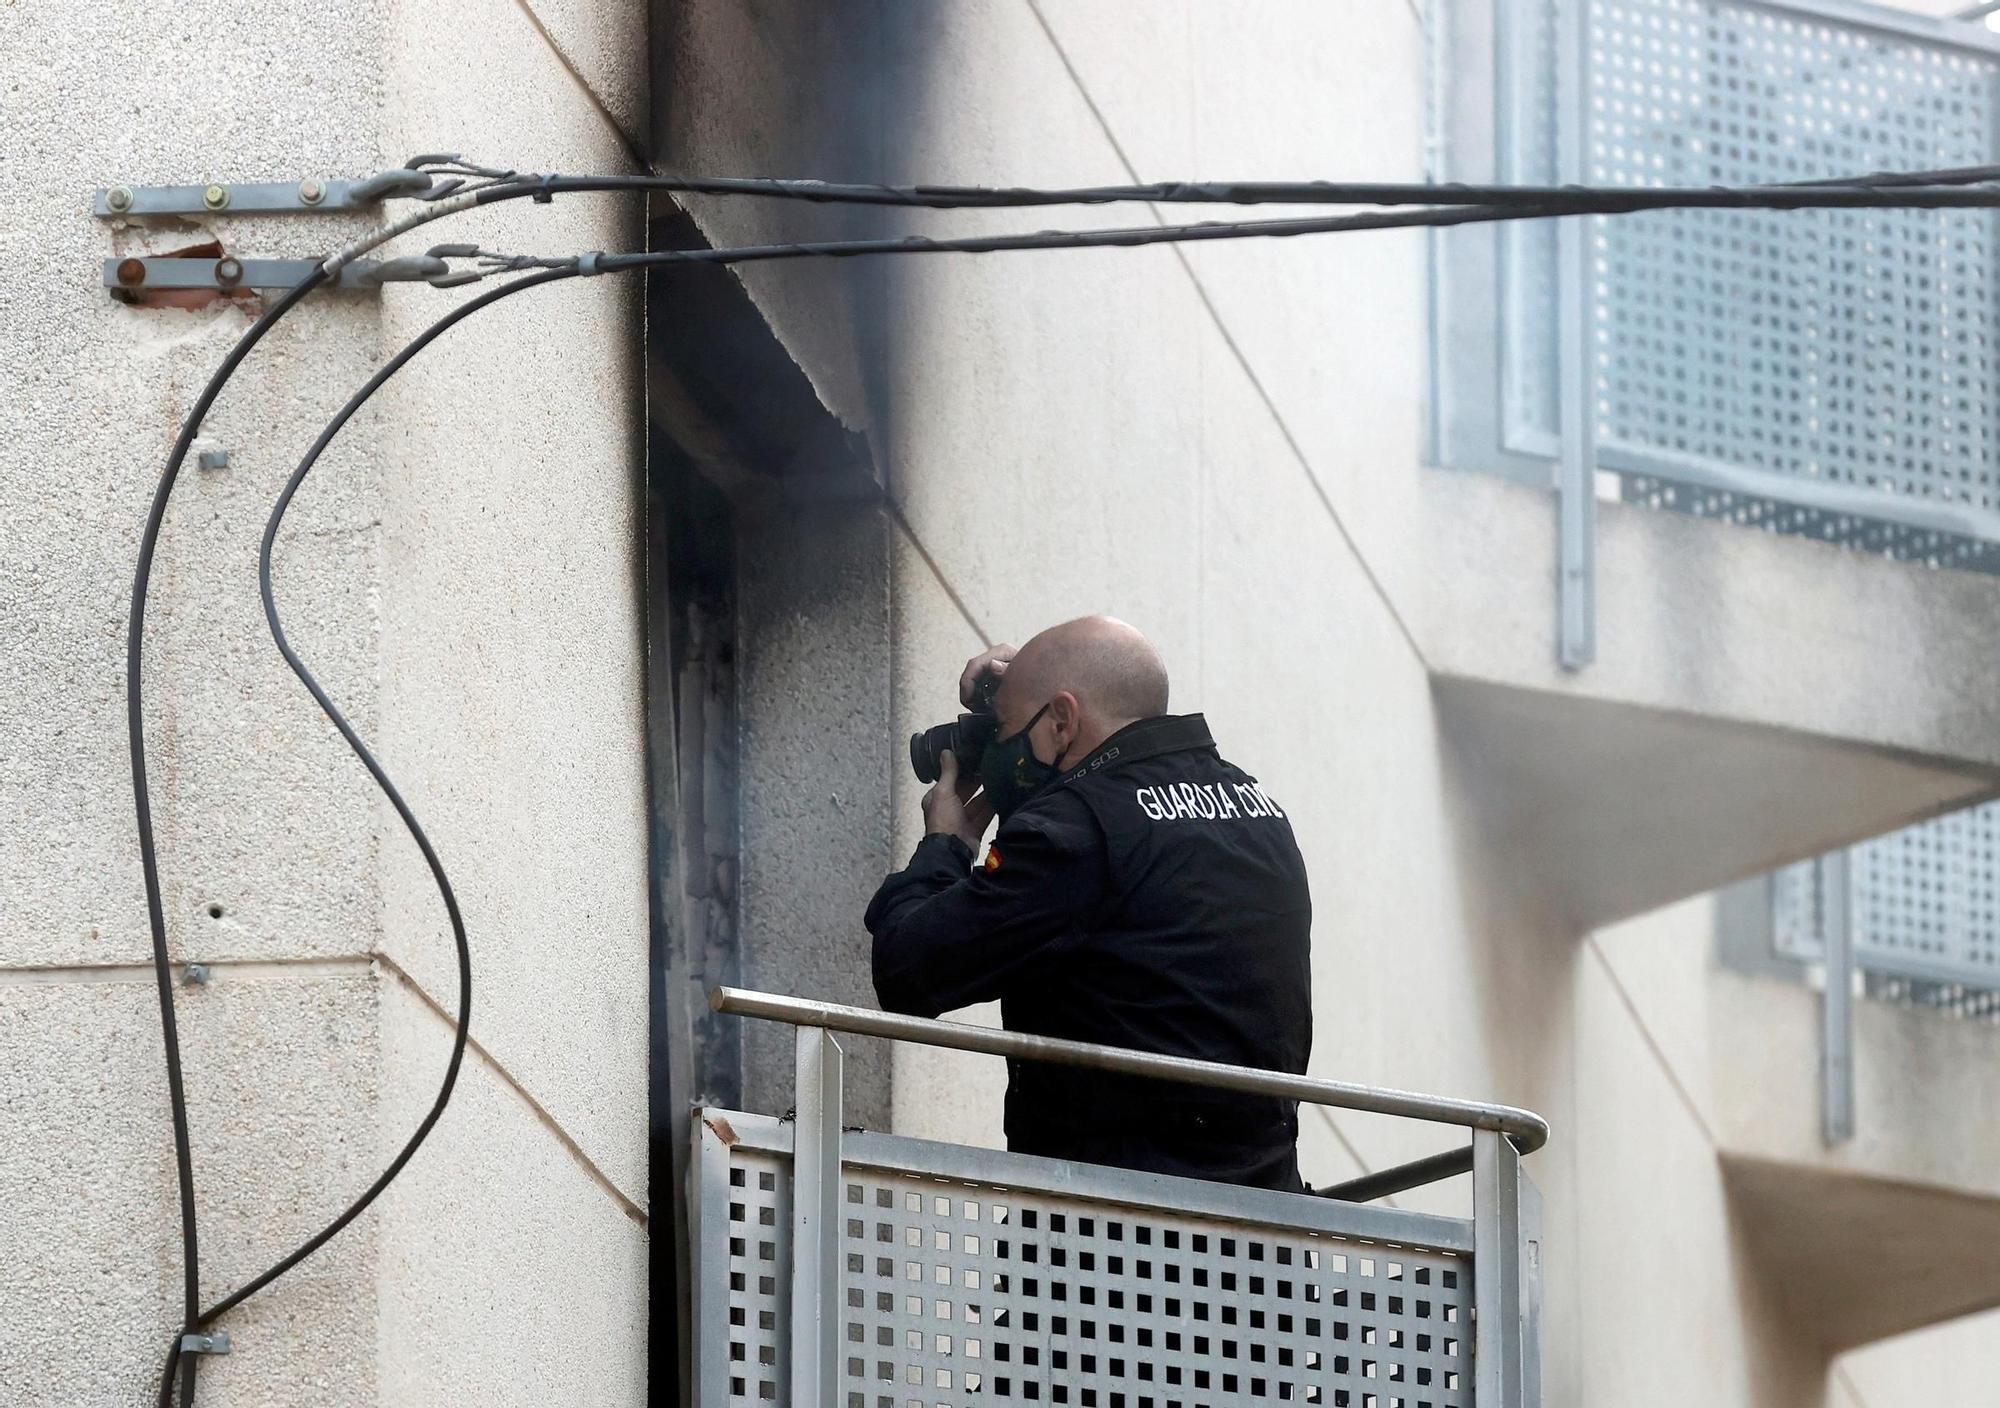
1836	878
1499	1309
1576	467
708	1265
1531	1292
816	1304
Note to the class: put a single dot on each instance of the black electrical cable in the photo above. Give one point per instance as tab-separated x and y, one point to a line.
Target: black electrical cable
199	1318
1130	237
940	197
1929	190
1889	191
149	864
375	769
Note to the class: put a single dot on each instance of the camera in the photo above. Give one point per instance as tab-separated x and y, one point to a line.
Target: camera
966	736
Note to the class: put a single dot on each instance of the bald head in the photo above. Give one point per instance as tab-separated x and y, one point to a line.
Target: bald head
1109	671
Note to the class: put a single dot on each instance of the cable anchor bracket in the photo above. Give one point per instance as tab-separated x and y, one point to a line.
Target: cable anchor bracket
205	1342
428	176
134	277
307	197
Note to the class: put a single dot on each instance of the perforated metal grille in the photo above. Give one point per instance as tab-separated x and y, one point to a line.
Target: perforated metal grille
1926	912
760	1274
1928	893
1897	540
1846	348
964	1294
959	1292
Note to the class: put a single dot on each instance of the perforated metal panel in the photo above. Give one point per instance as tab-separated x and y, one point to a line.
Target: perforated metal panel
962	1288
1835	350
1927	894
1926	905
759	1217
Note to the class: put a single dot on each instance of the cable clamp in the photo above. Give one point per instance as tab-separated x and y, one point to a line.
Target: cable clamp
547	192
205	1342
590	264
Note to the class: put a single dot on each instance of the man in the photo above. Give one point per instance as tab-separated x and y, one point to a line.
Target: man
1140	892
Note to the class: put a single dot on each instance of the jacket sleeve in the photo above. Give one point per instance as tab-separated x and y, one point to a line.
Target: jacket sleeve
945	939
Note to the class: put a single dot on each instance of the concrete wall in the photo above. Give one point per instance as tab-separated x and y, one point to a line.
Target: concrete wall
463	573
1950	1363
1875	1237
1224	446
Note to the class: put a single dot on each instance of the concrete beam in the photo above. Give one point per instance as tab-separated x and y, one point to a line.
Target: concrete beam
1715	621
1616	809
1860	1259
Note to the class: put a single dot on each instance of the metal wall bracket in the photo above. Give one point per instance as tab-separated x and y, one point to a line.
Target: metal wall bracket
305	197
136	276
208	1342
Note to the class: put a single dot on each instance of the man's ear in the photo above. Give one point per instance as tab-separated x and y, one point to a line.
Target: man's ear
1065	710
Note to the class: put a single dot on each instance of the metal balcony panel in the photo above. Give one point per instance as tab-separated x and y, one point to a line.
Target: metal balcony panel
971	1275
1926	903
1828	373
1845	349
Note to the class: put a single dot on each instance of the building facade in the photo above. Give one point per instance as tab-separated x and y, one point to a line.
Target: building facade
641	588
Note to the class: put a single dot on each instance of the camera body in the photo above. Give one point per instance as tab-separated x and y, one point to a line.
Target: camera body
966	736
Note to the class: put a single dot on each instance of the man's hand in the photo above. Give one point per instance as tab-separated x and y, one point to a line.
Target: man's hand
951	809
988	662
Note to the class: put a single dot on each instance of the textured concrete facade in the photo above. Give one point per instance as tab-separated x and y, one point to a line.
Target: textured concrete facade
1225	446
464	572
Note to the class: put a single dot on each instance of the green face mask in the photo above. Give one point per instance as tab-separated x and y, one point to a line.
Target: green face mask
1010	772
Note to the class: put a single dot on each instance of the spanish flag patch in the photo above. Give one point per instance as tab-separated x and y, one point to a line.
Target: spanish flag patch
992	861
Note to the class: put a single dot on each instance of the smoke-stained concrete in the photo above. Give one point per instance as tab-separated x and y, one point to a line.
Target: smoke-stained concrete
815	714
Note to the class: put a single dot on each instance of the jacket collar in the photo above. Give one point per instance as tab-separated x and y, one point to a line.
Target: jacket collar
1142	739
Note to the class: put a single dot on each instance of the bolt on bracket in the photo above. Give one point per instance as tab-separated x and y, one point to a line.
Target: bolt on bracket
207	1342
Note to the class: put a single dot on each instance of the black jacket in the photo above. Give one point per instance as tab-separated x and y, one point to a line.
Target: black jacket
1152	897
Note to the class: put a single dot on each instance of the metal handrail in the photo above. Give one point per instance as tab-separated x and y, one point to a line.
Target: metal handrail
1526	1130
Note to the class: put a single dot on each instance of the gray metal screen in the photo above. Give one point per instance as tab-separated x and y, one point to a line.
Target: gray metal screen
966	1283
1825	373
1926	912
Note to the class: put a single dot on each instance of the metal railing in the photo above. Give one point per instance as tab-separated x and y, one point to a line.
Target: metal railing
849	1269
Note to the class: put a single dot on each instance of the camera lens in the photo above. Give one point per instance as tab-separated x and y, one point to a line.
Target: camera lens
927	748
966	737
